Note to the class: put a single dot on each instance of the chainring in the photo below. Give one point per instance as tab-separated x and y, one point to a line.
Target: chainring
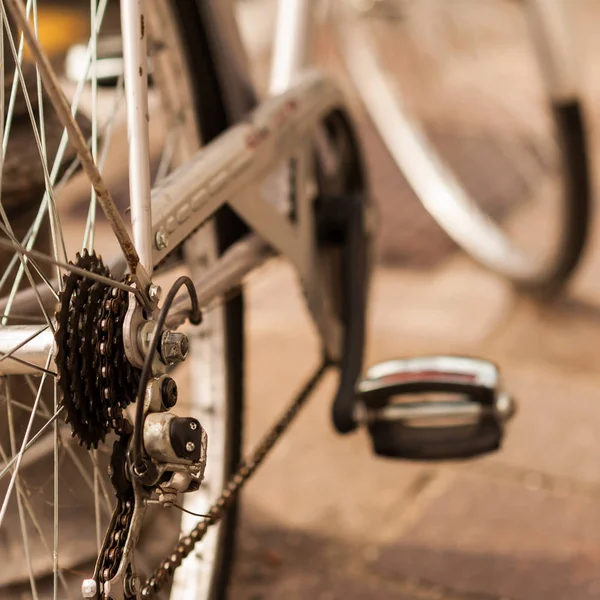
95	379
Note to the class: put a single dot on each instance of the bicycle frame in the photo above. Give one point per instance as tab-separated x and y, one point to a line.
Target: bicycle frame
229	170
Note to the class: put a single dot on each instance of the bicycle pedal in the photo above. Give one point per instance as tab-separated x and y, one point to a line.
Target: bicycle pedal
438	407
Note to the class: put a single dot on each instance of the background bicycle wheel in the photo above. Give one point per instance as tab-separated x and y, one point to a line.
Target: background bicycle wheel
468	82
467	74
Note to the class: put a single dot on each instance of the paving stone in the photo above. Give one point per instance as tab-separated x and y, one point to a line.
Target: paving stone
277	562
501	541
555	430
319	586
560	337
427	307
315	478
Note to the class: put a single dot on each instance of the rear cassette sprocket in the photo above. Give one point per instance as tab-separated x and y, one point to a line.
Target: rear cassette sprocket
95	379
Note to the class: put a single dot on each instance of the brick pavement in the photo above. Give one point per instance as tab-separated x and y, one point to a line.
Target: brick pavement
325	519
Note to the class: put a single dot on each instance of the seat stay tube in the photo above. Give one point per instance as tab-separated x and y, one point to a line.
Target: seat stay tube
291	50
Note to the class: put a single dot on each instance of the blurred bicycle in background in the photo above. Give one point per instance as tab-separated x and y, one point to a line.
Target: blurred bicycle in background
478	104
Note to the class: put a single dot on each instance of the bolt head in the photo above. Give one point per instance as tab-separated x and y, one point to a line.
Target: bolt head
89	588
193	426
190	446
174	347
155	292
167	498
161	240
132	585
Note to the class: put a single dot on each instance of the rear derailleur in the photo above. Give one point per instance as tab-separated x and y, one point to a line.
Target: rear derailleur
175	453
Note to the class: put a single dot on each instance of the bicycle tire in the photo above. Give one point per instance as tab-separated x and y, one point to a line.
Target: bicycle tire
444	195
213	118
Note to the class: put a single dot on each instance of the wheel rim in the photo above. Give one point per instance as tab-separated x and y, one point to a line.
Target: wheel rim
478	104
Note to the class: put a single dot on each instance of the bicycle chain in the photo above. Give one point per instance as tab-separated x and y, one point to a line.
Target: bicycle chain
165	572
109	558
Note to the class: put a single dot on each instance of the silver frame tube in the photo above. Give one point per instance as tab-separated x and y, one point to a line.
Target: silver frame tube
135	71
34	352
291	50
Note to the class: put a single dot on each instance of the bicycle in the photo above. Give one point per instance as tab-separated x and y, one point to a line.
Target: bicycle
105	359
508	76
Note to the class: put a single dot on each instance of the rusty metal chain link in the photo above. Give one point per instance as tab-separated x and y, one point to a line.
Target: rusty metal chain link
110	556
166	570
111	553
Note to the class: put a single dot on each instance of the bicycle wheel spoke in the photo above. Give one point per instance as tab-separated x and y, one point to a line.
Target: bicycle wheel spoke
55	221
17	404
57	235
62	146
22	522
22	317
31	235
14	86
55	498
19	457
69	267
94	460
88	237
85	475
31	442
24	262
88	241
29	508
2	156
76	138
10	353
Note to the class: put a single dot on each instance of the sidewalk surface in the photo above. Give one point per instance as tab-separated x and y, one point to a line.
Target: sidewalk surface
326	519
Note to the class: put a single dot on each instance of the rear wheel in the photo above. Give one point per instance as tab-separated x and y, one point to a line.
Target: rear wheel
56	510
455	90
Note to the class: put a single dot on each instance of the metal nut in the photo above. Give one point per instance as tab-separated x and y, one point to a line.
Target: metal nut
169	392
89	588
193	426
155	292
190	446
161	240
174	347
